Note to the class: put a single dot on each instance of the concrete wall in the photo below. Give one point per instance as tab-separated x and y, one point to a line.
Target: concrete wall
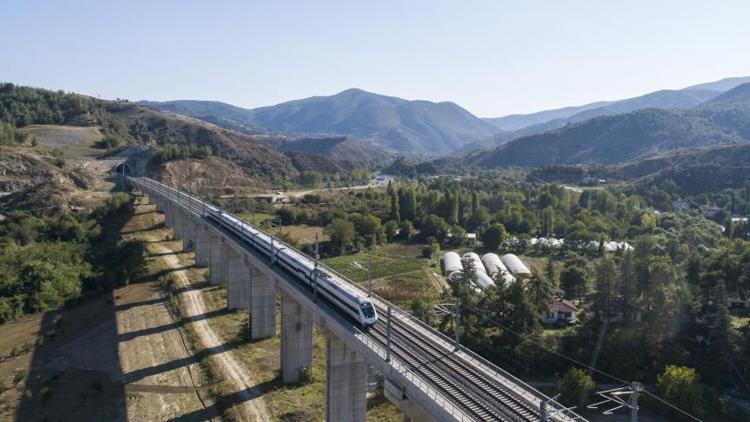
296	338
346	382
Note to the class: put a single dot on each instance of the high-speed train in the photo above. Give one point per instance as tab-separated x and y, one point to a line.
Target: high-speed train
338	292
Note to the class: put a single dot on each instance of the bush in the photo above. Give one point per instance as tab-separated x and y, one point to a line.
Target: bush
306	376
681	386
107	142
575	387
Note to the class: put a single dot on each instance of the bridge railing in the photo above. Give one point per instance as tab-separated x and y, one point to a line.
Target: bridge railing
521	389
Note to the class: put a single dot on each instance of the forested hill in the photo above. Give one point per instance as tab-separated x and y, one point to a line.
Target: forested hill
409	127
609	140
166	137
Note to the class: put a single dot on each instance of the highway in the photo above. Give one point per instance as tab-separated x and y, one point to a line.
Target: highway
479	389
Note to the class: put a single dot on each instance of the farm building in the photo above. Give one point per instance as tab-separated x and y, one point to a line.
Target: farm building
452	263
495	266
559	310
478	265
515	265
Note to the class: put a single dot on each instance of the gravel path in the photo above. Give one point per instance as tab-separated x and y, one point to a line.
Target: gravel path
233	371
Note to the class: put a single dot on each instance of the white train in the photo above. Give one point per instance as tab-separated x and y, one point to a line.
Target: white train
338	292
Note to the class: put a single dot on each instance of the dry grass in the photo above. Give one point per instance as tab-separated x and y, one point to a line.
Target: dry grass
305	234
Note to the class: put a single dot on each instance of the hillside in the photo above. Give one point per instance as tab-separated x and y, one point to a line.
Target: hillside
341	148
519	126
214	112
664	100
711	169
515	122
410	127
610	139
737	95
165	137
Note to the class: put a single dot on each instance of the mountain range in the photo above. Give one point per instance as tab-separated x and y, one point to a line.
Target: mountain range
386	125
390	123
629	137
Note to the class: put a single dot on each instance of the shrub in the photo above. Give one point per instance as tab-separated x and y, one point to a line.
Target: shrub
575	387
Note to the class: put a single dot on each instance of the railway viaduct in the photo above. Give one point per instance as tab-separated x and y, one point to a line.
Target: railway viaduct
426	377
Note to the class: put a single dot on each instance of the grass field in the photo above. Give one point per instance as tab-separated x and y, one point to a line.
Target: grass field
260	217
399	272
74	141
305	234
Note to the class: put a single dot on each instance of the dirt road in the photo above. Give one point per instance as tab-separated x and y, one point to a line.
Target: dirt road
235	373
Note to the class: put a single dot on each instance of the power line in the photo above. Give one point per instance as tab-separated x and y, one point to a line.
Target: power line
575	361
672	406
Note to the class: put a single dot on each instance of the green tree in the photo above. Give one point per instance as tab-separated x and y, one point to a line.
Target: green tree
461	219
494	236
432	225
395	213
342	233
681	386
606	275
540	291
574	279
720	333
575	387
391	227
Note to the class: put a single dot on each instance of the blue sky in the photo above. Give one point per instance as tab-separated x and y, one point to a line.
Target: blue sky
492	57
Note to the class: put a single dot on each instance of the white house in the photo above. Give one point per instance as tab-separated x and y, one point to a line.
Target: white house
559	310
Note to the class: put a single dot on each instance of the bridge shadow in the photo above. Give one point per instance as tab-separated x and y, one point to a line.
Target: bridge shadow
74	371
178	324
230	400
126	306
156	255
139	374
159	274
153	227
203	285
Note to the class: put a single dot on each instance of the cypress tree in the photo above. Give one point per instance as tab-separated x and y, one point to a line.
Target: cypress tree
395	209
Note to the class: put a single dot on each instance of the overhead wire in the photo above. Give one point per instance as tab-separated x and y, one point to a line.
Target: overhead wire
573	360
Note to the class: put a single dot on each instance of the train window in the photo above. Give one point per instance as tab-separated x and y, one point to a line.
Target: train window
367	310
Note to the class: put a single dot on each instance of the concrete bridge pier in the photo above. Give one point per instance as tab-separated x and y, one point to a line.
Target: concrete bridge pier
346	382
202	245
179	223
262	305
238	281
296	339
188	233
168	215
395	394
217	262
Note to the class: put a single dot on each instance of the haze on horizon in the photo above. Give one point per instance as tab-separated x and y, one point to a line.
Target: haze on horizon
493	58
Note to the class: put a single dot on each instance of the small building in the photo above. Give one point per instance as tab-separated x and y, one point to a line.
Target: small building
558	311
515	265
478	265
496	268
680	205
710	211
452	263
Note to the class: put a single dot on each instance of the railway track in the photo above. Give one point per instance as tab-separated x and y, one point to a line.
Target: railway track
479	392
463	383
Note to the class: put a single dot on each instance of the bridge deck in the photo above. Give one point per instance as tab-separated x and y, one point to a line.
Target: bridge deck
474	388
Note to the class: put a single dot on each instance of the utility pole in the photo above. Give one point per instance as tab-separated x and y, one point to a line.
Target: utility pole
272	254
315	271
458	326
635	390
369	276
388	336
543	414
